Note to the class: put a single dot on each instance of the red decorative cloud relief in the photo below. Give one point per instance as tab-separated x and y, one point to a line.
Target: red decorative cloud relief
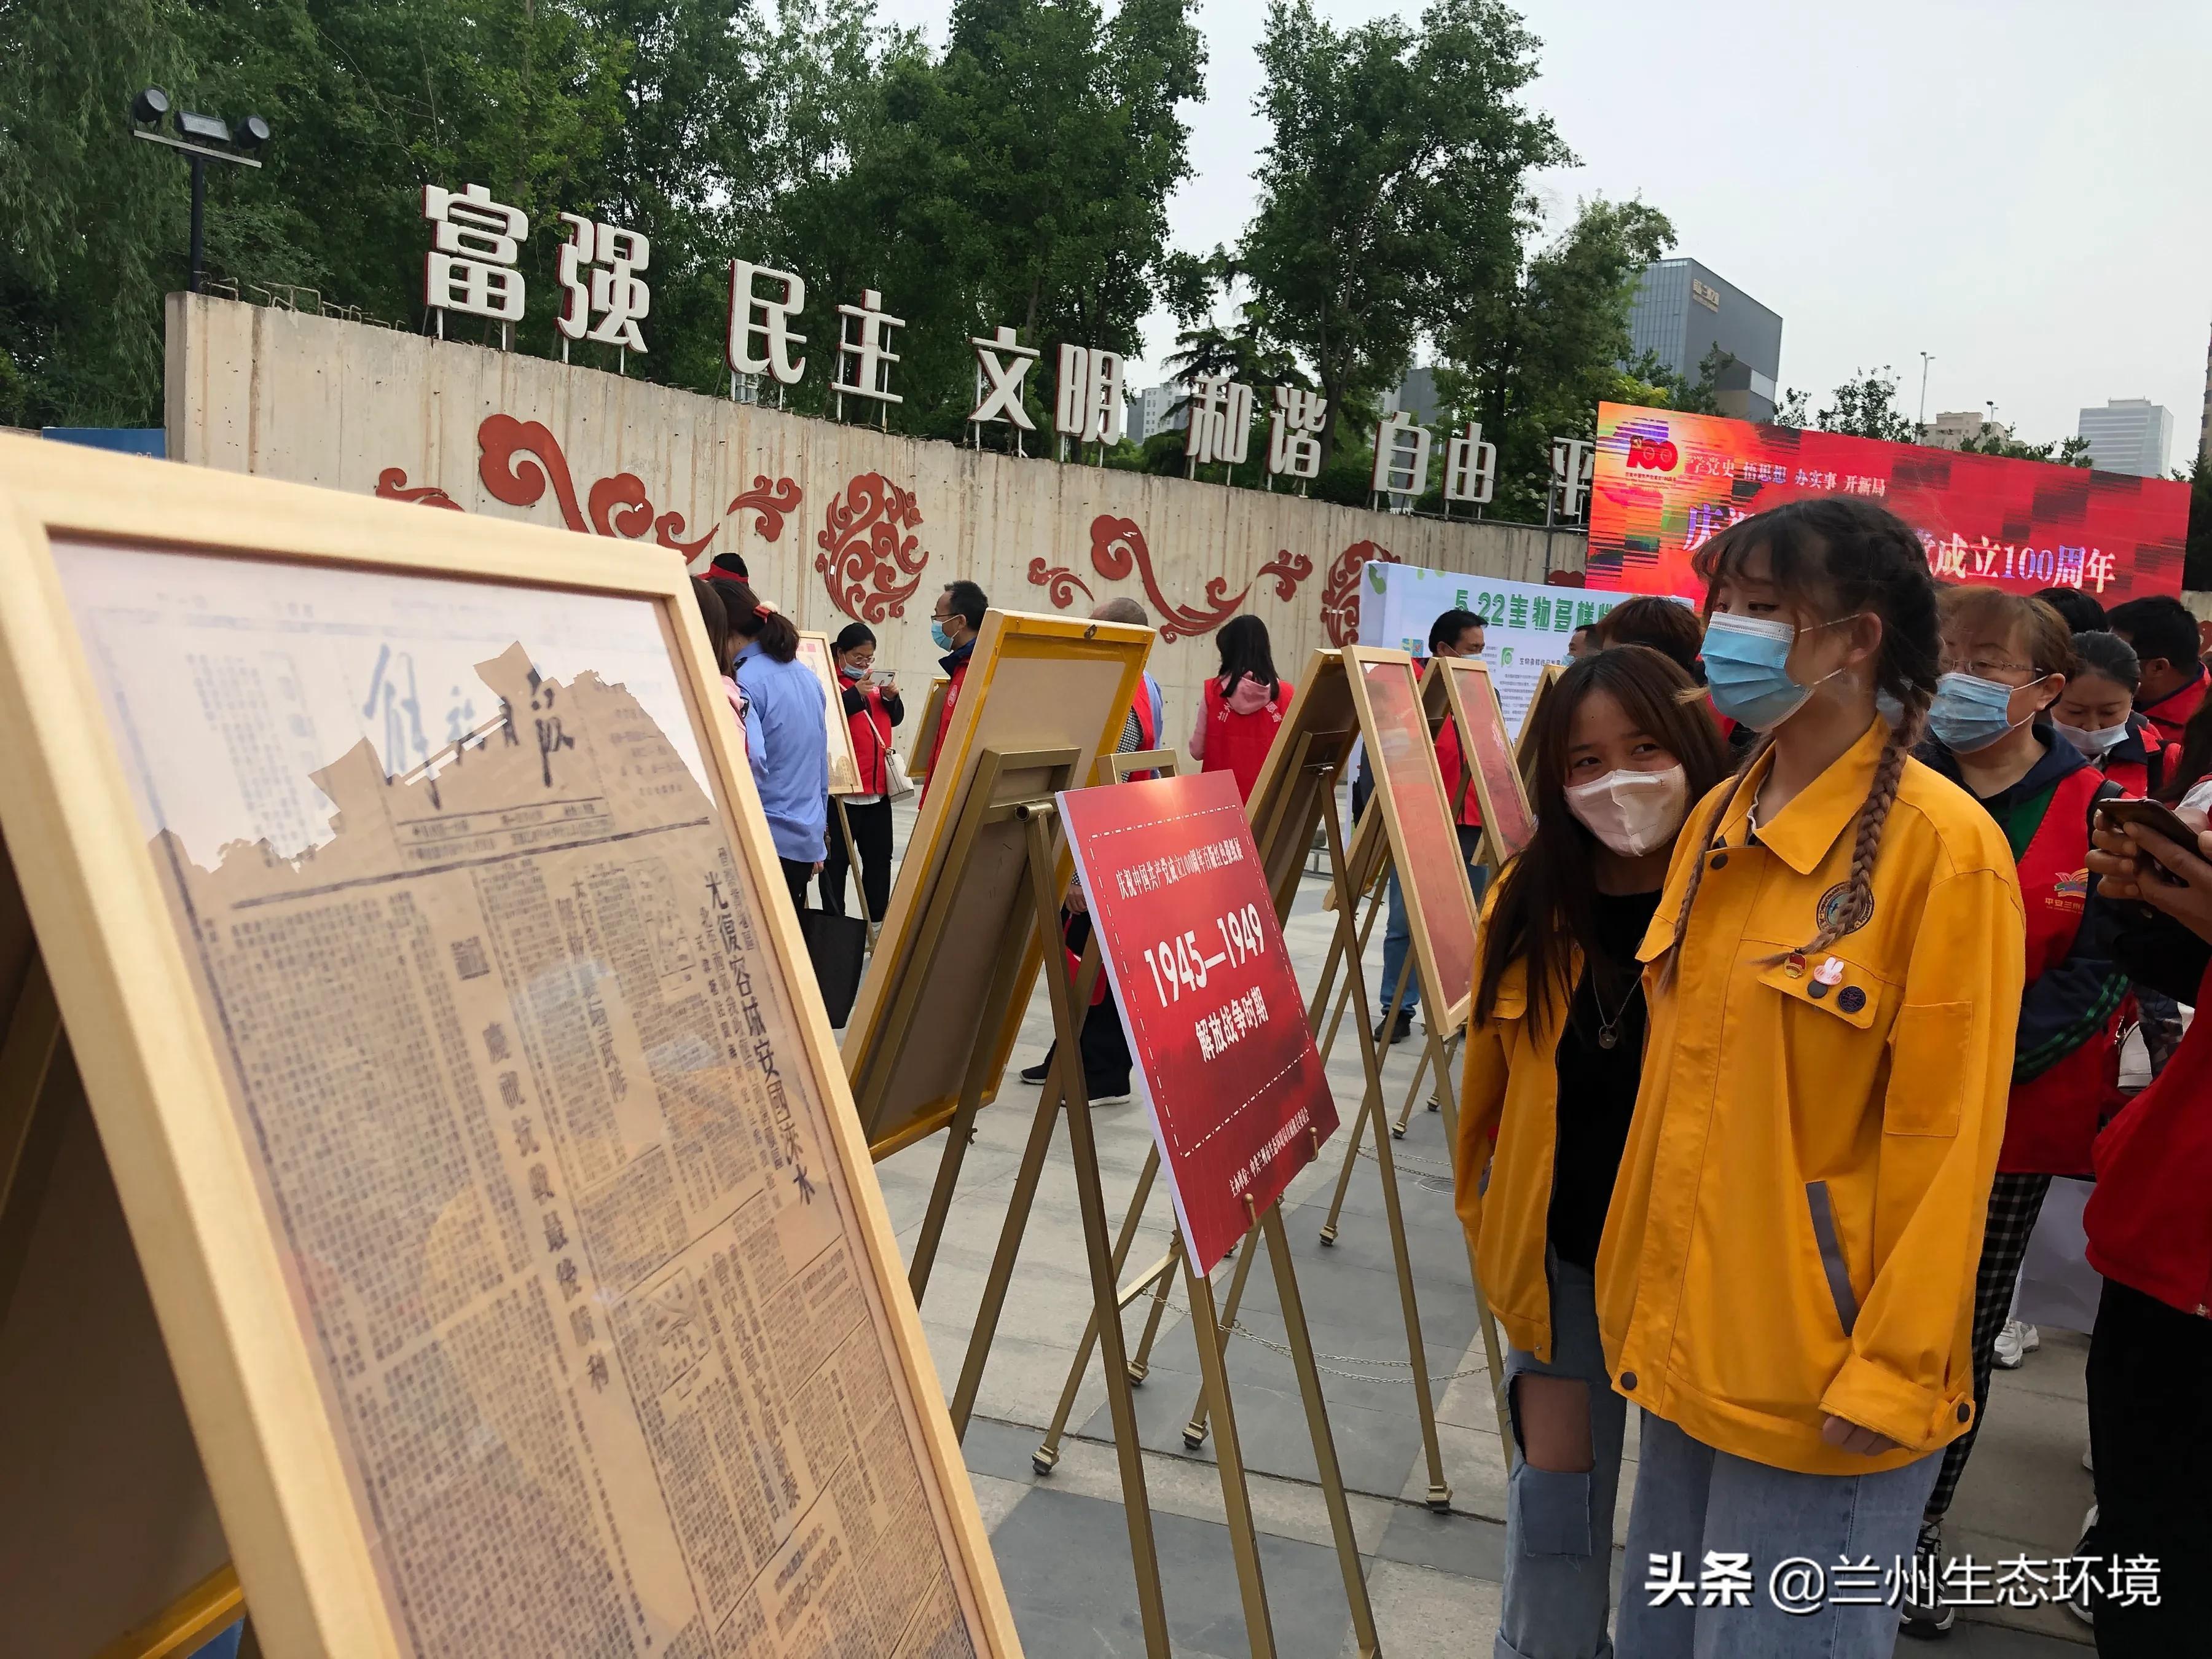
865	552
1060	582
771	503
1117	546
517	460
1340	590
392	484
1288	570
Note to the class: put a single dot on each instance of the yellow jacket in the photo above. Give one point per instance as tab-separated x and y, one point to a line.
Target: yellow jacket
1511	1085
1798	1215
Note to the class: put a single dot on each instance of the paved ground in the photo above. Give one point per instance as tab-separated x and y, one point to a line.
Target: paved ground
1434	1579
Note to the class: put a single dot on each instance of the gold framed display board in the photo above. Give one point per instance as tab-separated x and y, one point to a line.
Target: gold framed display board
1295	784
454	1054
933	710
1508	825
815	652
1424	841
1524	749
1034	684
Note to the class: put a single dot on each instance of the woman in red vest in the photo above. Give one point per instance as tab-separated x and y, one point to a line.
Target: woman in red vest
873	707
1243	708
2150	1225
2006	659
2096	713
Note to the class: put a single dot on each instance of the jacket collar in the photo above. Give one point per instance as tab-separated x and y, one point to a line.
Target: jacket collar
1827	807
2059	757
953	664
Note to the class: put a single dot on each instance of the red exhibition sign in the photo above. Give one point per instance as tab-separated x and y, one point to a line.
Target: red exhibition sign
1668	482
1239	1101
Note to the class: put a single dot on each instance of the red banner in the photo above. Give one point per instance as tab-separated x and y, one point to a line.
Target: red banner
1668	482
1227	1067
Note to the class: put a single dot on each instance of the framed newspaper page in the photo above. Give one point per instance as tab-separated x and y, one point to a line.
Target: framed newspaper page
1424	841
1036	684
844	765
454	1052
1508	825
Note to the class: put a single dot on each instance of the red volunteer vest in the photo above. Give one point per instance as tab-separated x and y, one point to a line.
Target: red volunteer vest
1239	742
2051	1120
1148	729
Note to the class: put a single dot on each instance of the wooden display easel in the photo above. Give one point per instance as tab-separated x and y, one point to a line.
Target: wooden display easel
1019	787
1361	869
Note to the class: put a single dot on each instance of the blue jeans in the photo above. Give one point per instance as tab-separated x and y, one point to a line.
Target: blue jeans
1398	935
1690	1499
1559	1526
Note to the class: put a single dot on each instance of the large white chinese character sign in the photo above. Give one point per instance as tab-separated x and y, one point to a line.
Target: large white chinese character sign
1470	467
599	266
1220	427
1574	460
761	336
1401	457
1294	438
1087	397
471	266
1002	363
864	369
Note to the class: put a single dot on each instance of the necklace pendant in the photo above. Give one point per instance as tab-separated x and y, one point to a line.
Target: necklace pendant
1608	1037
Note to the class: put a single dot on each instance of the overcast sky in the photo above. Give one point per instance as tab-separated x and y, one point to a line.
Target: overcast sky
2017	187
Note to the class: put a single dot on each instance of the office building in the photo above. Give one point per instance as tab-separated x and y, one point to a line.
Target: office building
1954	426
1683	310
1154	410
2128	435
1417	395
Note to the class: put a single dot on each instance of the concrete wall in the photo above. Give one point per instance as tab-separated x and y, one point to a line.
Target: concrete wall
864	517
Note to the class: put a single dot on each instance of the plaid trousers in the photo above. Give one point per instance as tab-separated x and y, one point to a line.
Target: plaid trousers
2015	1201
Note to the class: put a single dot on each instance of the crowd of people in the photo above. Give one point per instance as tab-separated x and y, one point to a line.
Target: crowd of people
1818	971
1820	968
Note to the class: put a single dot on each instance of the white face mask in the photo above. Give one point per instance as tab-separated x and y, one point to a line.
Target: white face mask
2092	743
1633	812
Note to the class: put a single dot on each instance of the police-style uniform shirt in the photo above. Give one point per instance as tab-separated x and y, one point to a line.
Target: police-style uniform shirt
788	740
1798	1215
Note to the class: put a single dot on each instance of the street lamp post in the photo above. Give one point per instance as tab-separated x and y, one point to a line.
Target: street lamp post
202	138
1920	426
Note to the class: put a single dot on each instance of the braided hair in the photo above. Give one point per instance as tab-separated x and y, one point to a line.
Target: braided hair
1843	555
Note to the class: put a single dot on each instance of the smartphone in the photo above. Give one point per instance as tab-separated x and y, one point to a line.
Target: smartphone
2154	816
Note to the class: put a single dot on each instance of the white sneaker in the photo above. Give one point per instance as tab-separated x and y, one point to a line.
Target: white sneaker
2015	1342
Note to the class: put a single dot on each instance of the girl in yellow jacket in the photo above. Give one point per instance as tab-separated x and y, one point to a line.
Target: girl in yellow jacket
1786	1283
1553	1055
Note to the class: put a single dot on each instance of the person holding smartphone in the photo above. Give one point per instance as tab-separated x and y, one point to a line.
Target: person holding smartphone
2007	660
2149	1227
873	707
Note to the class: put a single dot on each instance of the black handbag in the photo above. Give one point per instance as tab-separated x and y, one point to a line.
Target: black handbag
838	945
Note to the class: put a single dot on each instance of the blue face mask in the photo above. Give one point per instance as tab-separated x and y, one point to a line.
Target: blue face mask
1970	712
937	632
1745	670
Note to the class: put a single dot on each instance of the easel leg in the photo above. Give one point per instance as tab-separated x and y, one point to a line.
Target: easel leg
1416	1352
1140	1362
1090	1200
1193	1433
1344	996
1374	1089
853	863
1047	1455
1436	1054
1493	1354
1016	1222
962	1129
1229	1457
1300	1341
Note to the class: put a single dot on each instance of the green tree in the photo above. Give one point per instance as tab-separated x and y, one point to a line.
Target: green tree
1393	187
2196	556
1533	362
1791	409
1865	406
1999	440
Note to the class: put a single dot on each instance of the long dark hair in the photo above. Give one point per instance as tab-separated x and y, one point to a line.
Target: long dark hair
2195	760
715	616
777	637
1546	899
1243	642
1846	555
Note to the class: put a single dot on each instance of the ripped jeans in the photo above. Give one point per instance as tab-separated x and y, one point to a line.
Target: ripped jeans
1559	1526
